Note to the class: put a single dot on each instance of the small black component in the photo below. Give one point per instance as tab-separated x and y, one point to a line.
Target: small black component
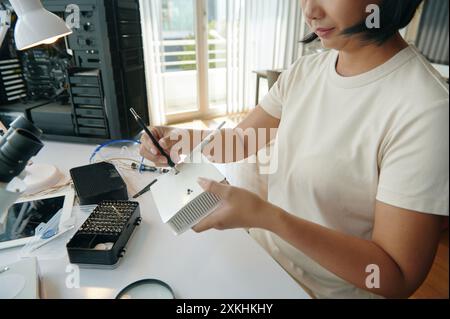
146	189
17	146
144	168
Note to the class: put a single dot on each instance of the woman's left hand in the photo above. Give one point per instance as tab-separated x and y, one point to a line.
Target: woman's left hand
239	208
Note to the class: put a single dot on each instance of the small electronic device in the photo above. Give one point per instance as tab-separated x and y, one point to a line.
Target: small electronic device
98	182
22	218
181	202
101	240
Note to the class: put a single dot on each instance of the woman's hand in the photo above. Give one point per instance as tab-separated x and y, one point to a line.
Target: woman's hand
168	138
239	208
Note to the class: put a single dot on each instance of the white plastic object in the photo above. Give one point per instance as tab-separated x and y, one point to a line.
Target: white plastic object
180	200
40	177
21	280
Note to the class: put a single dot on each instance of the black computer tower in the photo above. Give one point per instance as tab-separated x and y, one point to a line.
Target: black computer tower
103	73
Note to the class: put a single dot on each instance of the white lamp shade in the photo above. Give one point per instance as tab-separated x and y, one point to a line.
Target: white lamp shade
36	25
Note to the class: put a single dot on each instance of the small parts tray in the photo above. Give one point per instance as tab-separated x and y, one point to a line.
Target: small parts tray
101	240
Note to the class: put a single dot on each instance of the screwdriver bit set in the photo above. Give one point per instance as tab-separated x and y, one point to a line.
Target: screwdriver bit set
102	238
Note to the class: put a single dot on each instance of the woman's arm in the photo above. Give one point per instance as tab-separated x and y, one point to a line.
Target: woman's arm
229	145
256	131
402	247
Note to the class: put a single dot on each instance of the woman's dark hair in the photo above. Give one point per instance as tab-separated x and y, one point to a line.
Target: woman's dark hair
394	15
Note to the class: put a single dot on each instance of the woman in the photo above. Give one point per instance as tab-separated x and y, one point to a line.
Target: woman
355	208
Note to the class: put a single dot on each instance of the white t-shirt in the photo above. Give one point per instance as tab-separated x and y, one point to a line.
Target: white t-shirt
344	143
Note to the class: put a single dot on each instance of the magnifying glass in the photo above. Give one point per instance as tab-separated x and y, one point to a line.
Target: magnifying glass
147	289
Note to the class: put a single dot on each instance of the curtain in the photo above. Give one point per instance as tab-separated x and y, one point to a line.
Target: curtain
432	38
152	39
261	35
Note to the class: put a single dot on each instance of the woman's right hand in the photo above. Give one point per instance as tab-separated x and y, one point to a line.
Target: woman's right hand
168	137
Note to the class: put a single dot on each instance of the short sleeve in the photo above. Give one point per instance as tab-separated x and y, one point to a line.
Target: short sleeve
274	100
414	170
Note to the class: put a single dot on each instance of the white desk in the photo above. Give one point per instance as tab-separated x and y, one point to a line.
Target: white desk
221	265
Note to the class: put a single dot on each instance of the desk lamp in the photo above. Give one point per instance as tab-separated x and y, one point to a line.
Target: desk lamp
35	25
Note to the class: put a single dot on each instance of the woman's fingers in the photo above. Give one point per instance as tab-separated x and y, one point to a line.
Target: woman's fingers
151	152
204	225
157	160
148	150
220	189
224	191
210	222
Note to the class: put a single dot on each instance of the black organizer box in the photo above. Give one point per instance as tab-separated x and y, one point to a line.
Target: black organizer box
111	223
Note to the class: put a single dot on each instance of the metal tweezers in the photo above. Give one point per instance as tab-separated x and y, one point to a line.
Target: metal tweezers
145	190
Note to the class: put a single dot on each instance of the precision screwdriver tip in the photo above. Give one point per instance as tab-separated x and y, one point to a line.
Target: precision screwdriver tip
133	111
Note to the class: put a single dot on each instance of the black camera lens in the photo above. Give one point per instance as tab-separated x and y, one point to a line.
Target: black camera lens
16	149
21	123
24	124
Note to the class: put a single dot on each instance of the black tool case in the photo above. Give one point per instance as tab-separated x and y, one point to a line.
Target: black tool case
101	240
